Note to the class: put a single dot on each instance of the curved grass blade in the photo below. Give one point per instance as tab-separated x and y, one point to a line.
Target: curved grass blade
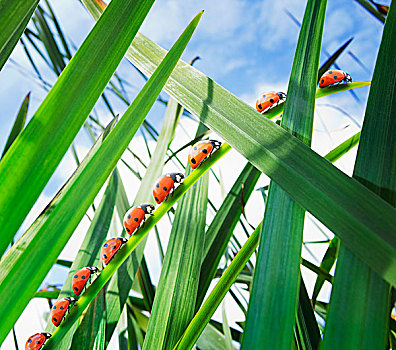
174	302
293	166
343	148
35	258
202	317
222	226
272	308
14	17
131	245
365	297
370	8
18	124
63	112
121	283
327	263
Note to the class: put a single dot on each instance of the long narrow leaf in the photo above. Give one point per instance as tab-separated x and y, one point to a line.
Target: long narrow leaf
63	112
18	124
14	17
274	297
365	297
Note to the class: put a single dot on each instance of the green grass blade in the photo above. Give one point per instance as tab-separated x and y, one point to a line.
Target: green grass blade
174	302
272	308
327	264
18	124
63	112
343	148
202	317
88	254
131	245
358	291
47	295
330	61
121	283
293	165
370	8
14	17
222	226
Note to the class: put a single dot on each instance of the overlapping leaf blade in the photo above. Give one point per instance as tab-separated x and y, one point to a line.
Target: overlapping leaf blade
293	166
366	301
53	127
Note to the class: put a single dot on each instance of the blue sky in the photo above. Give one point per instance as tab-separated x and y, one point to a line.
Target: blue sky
246	46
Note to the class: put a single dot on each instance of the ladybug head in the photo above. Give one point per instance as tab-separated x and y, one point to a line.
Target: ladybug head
147	208
215	143
347	78
282	96
47	335
93	269
122	239
177	177
71	299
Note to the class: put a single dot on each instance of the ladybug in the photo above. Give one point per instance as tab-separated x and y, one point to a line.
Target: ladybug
60	308
81	277
201	150
135	216
36	341
334	76
269	100
110	248
165	184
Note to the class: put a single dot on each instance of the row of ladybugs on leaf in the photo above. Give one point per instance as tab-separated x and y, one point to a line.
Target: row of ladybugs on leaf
134	217
269	100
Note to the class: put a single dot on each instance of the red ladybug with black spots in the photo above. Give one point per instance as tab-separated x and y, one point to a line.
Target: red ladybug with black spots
82	277
334	76
165	184
135	216
269	100
201	150
110	248
60	308
36	341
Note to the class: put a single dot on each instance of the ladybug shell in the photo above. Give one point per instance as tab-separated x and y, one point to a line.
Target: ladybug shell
330	77
58	311
36	341
266	101
199	152
133	218
162	188
80	279
110	248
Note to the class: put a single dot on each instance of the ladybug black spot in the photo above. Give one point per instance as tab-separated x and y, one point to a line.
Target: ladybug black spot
83	277
76	289
335	77
61	307
204	151
157	186
37	342
136	219
331	72
165	189
259	106
128	230
322	81
55	319
264	96
271	100
195	148
156	199
30	340
193	161
129	216
54	307
104	256
75	276
105	245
